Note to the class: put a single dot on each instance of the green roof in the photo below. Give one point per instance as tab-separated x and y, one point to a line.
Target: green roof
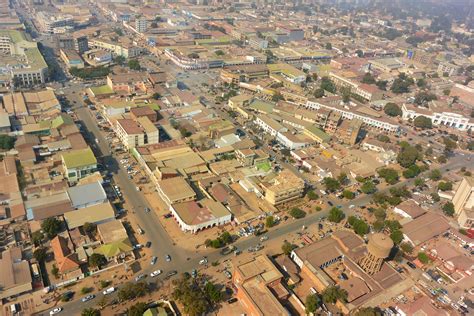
23	46
16	36
105	89
262	106
153	106
79	158
265	166
62	119
115	248
158	311
318	133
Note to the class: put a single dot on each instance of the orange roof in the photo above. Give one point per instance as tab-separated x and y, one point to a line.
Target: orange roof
64	258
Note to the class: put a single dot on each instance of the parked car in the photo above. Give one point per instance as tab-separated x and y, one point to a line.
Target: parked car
55	311
411	265
168	258
171	273
140	277
203	261
155	273
227	274
153	260
87	298
108	291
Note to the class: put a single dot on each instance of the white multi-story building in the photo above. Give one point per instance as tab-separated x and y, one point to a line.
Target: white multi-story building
30	68
450	119
349	113
49	22
141	25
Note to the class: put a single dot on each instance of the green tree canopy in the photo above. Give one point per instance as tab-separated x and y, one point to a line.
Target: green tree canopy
328	85
331	184
90	312
51	226
333	293
336	215
423	122
97	260
392	109
270	221
297	213
7	142
312	303
389	175
287	247
368	187
448	209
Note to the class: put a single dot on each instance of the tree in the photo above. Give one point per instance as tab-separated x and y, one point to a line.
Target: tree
423	122
331	184
312	303
383	138
219	52
435	196
277	97
407	156
333	293
421	83
51	227
380	214
400	86
318	93
328	85
423	97
392	109
411	172
156	96
342	178
97	260
90	312
419	182
55	271
287	248
212	292
297	213
336	215
137	309
312	195
445	186
348	194
103	301
368	187
359	53
190	295
448	209
269	221
390	175
134	64
130	291
90	228
406	247
396	236
120	60
37	237
7	142
328	46
226	237
368	78
40	254
369	311
435	175
382	84
423	257
360	227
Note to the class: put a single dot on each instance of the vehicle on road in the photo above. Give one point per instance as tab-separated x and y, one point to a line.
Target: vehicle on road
232	300
140	277
227	274
156	273
194	273
263	238
203	261
108	291
411	265
153	260
168	258
55	311
168	215
147	209
148	244
87	298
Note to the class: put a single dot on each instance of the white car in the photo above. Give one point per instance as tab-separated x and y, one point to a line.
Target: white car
203	261
110	290
156	273
55	311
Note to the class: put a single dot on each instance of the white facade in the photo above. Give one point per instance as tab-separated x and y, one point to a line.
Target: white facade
449	119
348	115
141	25
215	221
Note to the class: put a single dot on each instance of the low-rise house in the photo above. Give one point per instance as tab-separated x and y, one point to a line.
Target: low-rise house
78	163
87	195
409	209
66	259
193	216
15	275
283	188
176	190
94	214
424	228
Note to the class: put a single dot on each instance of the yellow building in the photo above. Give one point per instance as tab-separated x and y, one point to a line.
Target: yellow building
283	188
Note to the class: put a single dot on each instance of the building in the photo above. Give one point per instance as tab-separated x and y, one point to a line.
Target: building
365	91
117	48
378	249
15	275
258	43
85	195
463	201
135	133
80	44
116	244
141	25
52	23
283	188
193	216
439	117
94	214
386	64
71	59
78	164
260	286
27	66
66	259
176	190
424	228
448	68
370	117
409	209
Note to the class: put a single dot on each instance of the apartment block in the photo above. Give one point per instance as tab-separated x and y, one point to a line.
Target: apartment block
135	133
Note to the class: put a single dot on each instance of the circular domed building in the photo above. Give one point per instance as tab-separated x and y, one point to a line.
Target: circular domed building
378	249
